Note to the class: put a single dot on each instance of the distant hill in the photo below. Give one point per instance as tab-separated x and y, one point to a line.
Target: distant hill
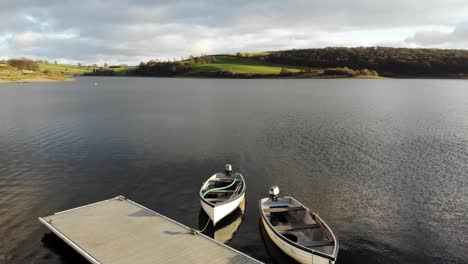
245	65
369	62
387	61
239	64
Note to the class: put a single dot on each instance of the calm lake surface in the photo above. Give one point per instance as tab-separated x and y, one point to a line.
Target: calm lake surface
384	162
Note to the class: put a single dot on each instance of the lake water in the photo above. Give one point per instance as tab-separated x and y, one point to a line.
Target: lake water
384	162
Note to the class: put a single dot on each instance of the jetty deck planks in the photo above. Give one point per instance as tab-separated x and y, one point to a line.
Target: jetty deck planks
121	231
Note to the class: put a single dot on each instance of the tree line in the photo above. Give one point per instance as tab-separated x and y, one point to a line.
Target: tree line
24	64
169	68
154	68
386	61
203	59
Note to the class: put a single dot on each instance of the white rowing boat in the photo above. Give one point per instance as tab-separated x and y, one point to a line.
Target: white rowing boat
225	229
297	231
222	193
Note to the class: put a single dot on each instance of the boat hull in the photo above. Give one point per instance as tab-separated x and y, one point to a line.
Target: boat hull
298	254
217	212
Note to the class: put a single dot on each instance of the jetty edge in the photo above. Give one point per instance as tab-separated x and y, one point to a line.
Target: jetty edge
119	230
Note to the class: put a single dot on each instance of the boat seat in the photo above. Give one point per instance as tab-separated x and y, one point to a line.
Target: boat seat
223	180
283	228
282	209
214	200
321	243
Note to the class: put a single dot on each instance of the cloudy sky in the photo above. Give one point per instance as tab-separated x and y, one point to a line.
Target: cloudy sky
131	31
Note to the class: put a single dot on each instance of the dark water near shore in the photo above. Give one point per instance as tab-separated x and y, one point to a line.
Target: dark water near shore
384	162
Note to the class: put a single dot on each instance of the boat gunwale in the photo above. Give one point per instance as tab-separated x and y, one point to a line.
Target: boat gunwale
242	192
332	256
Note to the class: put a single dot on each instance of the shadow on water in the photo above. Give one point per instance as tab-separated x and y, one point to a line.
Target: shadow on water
226	228
66	253
276	254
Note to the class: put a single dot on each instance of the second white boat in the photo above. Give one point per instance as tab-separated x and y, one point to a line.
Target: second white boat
297	231
222	193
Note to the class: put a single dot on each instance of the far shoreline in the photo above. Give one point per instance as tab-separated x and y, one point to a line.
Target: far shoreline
35	80
275	77
290	77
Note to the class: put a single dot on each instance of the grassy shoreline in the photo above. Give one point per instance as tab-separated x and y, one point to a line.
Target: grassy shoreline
15	76
44	73
35	80
220	66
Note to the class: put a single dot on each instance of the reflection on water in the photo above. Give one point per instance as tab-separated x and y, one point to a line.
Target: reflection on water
226	228
276	254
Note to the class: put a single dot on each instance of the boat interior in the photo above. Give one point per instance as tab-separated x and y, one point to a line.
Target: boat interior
221	187
297	224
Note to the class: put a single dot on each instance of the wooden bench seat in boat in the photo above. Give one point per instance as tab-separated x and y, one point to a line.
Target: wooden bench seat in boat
321	243
223	180
215	200
282	228
282	209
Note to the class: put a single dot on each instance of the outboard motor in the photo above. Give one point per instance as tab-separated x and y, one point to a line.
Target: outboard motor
228	169
274	191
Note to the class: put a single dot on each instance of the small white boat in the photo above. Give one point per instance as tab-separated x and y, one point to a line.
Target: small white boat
222	193
297	231
225	229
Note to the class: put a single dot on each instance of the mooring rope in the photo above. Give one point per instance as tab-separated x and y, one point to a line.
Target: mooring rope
196	232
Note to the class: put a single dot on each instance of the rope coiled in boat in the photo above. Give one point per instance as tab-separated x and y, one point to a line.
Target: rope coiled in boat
219	188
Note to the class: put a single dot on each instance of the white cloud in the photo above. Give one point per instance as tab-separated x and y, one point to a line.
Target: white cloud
36	41
26	40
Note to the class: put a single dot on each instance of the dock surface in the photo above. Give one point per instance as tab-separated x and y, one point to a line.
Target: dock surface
121	231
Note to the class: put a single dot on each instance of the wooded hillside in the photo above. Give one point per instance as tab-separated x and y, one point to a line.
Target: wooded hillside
386	61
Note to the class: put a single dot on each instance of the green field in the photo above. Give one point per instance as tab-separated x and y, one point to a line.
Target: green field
65	69
72	69
247	54
124	69
241	65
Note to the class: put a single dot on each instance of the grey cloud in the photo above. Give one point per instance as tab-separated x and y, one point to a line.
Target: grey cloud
458	38
91	30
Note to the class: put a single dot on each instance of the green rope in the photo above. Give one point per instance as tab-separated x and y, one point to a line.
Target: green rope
219	188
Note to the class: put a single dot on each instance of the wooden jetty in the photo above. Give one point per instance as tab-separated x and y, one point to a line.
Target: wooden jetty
119	230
